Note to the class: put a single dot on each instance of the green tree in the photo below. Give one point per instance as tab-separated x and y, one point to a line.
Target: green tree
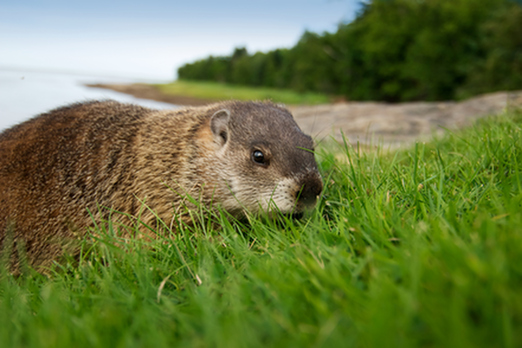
501	66
395	50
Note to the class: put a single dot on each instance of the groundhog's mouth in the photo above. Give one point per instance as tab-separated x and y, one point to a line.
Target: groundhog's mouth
297	216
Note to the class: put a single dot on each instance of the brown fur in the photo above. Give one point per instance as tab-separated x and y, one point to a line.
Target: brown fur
57	166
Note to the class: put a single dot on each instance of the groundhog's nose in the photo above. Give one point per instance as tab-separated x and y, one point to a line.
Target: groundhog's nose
311	187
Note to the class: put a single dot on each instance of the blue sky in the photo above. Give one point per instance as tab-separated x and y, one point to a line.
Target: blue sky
150	39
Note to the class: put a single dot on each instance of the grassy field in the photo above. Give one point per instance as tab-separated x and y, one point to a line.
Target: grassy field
219	91
411	248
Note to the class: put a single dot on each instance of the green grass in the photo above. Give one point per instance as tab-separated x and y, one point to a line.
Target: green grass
411	248
219	91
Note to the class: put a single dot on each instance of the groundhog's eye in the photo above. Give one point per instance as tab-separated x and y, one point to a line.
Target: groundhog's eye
259	157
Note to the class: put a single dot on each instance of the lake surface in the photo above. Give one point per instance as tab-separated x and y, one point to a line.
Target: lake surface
24	94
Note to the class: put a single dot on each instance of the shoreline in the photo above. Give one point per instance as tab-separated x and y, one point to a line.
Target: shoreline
145	91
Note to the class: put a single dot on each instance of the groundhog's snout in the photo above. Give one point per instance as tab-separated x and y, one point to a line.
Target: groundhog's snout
311	187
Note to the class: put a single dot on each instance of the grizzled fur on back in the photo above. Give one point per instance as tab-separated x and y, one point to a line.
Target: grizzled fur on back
57	166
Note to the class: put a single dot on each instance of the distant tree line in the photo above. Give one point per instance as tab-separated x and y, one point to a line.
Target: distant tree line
395	50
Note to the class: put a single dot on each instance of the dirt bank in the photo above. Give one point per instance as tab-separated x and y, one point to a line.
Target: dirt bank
399	123
392	124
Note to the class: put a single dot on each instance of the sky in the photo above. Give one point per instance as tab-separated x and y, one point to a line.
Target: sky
151	39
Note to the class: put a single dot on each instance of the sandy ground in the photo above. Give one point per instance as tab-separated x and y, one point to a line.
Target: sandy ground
370	122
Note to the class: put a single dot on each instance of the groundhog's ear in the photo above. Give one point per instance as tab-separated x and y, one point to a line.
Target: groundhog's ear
219	125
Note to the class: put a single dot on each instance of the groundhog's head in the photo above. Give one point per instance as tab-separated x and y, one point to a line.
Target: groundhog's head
264	159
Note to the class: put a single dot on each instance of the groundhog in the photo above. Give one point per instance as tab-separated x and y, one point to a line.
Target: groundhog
64	169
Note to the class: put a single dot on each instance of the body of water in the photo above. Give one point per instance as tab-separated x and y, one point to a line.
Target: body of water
25	94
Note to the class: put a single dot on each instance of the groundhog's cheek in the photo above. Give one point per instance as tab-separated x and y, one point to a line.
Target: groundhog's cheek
238	195
283	197
266	197
254	189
